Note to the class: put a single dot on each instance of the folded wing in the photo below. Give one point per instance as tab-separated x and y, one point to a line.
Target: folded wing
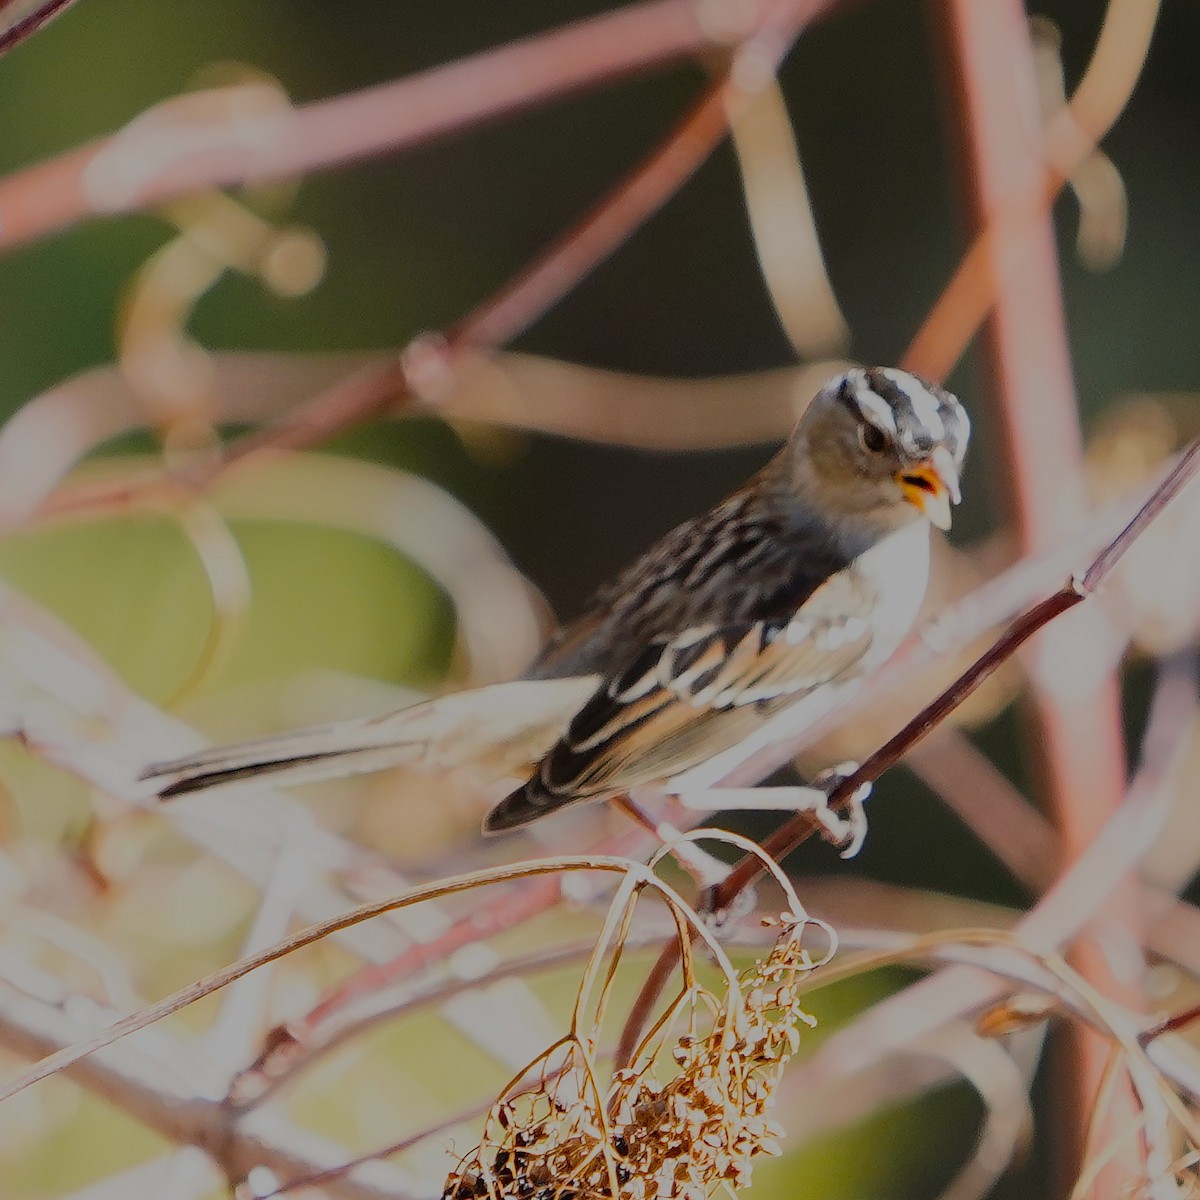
687	698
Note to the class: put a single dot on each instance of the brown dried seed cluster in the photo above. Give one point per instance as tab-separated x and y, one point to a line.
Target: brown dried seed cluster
653	1139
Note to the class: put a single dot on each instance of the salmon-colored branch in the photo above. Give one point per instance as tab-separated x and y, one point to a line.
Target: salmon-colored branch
428	368
1071	136
1073	721
179	147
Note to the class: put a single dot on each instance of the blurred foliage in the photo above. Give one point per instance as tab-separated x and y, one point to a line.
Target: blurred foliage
147	605
414	241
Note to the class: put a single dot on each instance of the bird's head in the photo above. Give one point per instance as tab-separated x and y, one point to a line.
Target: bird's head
878	448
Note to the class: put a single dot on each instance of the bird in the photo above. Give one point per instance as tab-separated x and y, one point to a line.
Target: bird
781	597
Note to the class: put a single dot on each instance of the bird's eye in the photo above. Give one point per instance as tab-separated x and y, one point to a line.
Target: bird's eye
872	438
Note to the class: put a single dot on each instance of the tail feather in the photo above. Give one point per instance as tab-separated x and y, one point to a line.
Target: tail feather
501	729
304	756
526	803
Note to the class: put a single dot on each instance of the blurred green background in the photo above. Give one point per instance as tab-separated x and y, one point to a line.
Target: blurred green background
416	239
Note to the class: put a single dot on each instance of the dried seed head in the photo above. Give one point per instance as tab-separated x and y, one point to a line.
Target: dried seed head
678	1138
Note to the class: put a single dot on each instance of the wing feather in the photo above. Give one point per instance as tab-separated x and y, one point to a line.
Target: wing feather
688	697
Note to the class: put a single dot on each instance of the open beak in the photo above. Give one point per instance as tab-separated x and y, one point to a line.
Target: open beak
932	486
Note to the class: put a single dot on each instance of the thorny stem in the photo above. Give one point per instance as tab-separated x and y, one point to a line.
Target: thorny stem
800	828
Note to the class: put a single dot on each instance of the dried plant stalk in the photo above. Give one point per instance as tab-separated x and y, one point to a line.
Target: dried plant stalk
650	1135
672	1123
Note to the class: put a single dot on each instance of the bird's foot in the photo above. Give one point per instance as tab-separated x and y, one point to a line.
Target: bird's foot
847	832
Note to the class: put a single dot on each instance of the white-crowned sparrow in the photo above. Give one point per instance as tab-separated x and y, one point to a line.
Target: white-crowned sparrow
800	582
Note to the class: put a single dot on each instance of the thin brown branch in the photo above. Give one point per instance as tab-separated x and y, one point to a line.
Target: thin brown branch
333	1174
1175	1023
287	1048
1073	592
799	829
368	393
1054	921
268	1073
21	19
578	250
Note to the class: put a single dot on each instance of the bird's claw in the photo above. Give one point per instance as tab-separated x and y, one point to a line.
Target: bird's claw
846	831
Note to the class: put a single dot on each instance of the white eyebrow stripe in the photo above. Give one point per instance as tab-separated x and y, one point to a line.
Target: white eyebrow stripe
873	405
964	435
925	405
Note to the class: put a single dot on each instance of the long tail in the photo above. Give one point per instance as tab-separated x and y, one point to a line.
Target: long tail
502	729
304	756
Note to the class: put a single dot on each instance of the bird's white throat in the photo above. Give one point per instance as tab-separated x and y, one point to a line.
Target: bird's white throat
897	567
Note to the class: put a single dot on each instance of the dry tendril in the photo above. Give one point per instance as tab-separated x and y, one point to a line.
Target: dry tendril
686	1116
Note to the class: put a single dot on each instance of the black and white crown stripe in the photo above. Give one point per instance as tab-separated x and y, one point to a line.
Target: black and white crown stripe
916	414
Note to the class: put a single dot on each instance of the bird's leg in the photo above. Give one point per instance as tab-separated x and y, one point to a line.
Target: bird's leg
706	870
846	832
853	824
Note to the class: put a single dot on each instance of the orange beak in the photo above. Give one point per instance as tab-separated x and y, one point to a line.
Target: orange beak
932	486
